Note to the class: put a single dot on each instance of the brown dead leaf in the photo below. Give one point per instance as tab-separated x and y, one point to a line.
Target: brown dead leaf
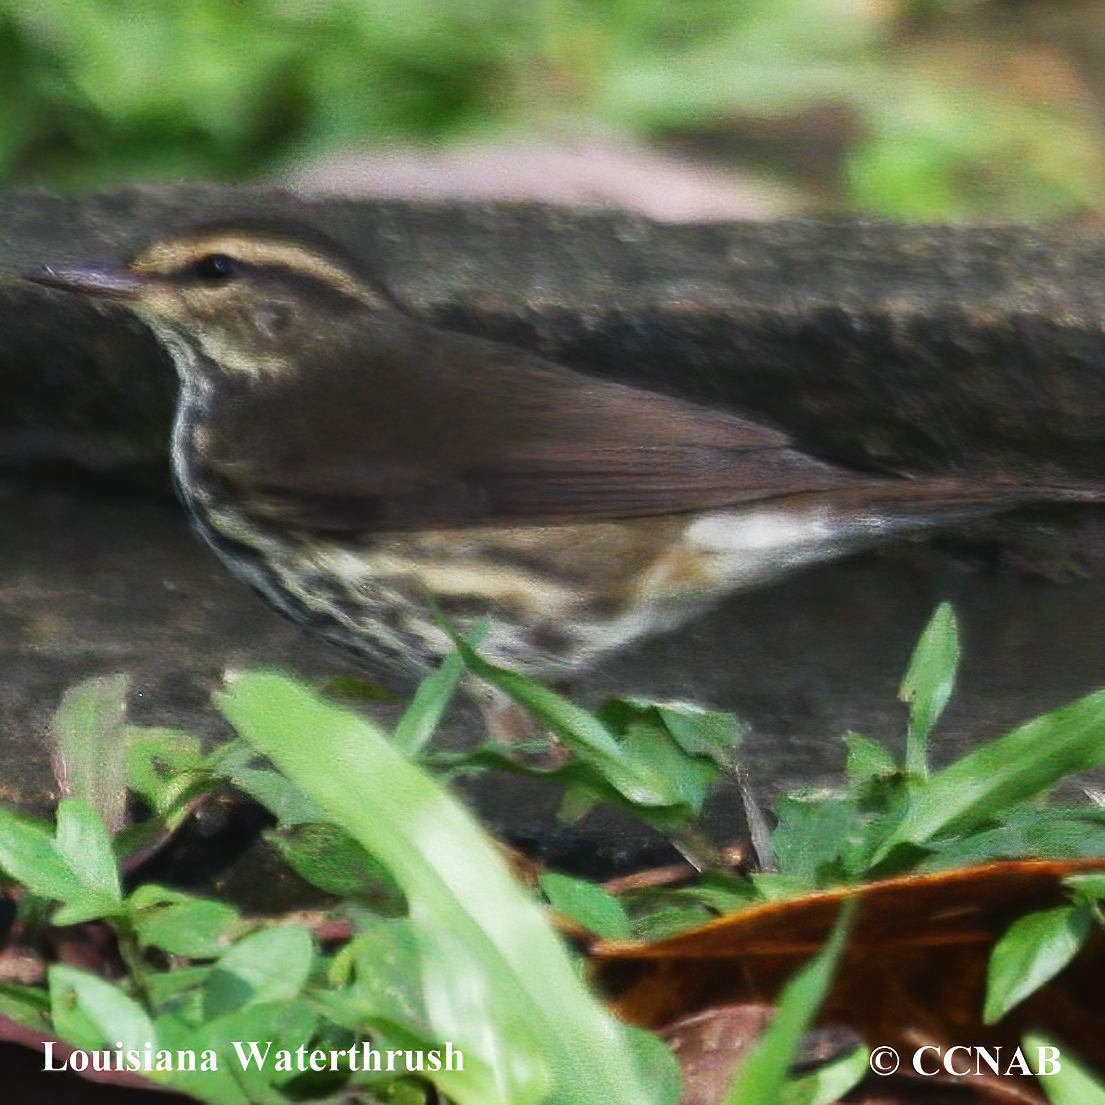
913	974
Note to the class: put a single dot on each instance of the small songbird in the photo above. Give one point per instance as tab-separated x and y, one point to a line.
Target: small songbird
360	468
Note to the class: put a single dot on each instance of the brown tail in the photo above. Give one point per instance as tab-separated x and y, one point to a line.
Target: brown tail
927	500
1072	492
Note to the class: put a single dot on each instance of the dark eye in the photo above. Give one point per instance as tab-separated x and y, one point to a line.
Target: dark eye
216	266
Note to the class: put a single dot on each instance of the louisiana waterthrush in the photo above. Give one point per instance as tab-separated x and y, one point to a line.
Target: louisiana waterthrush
360	468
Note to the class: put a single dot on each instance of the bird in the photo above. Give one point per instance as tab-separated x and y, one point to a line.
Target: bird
371	474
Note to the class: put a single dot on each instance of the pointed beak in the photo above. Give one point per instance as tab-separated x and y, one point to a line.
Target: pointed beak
103	281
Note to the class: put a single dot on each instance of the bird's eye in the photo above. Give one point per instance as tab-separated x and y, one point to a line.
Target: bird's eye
216	266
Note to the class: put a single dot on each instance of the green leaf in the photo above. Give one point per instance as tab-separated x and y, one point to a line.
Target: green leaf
226	1085
688	778
26	1005
1087	888
583	733
83	842
268	966
928	683
272	1027
1032	951
986	783
774	886
29	854
91	756
1058	832
1004	842
281	797
588	905
829	1083
655	1061
383	958
718	891
1072	1083
867	759
180	923
421	718
167	770
683	744
90	1012
679	744
179	991
585	785
762	1075
671	920
333	861
1049	833
497	981
812	832
698	731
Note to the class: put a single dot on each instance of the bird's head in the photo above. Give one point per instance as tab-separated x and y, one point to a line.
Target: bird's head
248	294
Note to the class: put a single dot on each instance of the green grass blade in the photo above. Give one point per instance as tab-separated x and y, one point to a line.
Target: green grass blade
986	783
581	731
829	1083
422	717
762	1075
1072	1083
497	979
928	684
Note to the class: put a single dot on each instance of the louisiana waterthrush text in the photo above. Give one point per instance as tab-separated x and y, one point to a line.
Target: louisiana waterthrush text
360	468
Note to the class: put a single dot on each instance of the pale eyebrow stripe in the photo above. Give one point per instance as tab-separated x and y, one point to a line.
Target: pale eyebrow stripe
167	256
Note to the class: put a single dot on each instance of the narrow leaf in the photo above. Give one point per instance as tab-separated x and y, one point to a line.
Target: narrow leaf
26	1005
90	756
421	718
987	782
279	795
91	1012
762	1075
929	682
867	759
588	905
82	839
30	855
1069	1082
829	1083
698	731
497	980
1032	951
583	733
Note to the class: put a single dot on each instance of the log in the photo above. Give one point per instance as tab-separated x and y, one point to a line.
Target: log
958	349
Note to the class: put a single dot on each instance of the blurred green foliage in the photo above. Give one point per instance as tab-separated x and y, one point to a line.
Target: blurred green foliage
96	92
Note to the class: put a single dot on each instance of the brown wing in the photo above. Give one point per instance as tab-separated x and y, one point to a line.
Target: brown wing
437	429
